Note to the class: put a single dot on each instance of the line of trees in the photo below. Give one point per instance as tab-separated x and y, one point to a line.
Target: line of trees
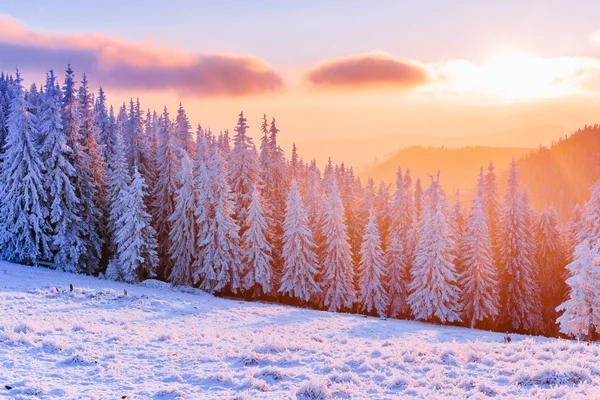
133	195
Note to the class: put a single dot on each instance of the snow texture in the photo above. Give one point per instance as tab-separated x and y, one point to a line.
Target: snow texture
108	339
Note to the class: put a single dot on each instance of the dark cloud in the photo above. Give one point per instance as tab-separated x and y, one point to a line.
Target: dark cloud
367	71
30	56
209	76
113	62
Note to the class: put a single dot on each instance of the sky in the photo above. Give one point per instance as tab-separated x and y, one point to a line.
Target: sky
329	71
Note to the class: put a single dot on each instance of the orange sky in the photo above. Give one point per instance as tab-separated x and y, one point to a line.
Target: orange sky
365	103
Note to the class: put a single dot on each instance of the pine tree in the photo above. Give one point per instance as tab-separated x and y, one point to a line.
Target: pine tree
135	258
520	294
372	271
220	251
300	261
551	261
95	175
166	190
336	263
183	226
256	249
397	255
434	292
24	230
67	241
183	132
479	282
418	199
244	171
581	316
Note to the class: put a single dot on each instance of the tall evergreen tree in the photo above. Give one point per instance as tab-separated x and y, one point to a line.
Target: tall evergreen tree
397	255
581	316
551	261
67	237
183	132
135	258
434	292
183	226
520	294
300	266
336	263
166	190
256	249
244	171
220	251
373	295
24	229
479	282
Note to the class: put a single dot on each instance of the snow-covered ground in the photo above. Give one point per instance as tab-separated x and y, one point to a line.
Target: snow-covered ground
163	343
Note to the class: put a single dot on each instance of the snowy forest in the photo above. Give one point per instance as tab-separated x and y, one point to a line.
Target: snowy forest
130	194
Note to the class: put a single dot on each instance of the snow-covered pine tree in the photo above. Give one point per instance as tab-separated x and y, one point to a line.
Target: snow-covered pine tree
576	223
551	261
581	316
434	292
103	124
372	293
183	226
397	257
382	211
183	132
135	258
337	267
67	241
519	289
95	170
418	199
244	172
410	213
118	184
300	261
166	190
220	252
492	203
256	249
591	216
24	229
478	279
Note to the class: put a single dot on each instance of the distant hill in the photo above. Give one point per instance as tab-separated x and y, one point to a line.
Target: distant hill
374	149
563	173
560	174
459	166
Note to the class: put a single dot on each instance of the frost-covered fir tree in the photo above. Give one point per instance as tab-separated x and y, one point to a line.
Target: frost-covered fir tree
165	192
103	124
337	266
183	132
372	293
183	226
84	182
67	237
581	311
135	257
591	216
418	199
478	280
299	259
397	256
220	252
256	249
520	293
434	292
244	171
24	229
551	261
118	183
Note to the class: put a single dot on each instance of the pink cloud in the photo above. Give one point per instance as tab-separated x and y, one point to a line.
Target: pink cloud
140	65
367	71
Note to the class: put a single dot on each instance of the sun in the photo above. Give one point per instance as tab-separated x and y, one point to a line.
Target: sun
514	74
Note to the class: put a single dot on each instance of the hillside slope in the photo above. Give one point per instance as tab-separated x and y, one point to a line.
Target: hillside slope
107	340
459	166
